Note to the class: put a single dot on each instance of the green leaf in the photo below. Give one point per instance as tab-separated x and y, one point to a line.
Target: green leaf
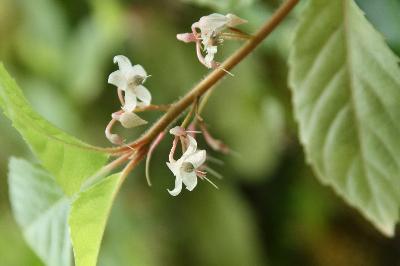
70	160
88	217
346	86
41	209
387	24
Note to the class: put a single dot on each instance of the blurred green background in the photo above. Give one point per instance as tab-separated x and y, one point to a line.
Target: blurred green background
269	210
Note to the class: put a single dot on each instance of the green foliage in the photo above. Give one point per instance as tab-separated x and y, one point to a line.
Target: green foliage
44	29
384	14
92	45
346	85
68	159
40	208
258	116
227	218
88	217
346	89
222	5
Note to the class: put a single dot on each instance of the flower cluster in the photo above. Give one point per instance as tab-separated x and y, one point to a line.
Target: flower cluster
207	33
212	33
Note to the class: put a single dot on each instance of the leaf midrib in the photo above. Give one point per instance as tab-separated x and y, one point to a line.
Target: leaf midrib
353	106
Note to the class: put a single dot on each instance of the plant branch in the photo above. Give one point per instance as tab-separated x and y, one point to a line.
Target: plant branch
151	107
177	108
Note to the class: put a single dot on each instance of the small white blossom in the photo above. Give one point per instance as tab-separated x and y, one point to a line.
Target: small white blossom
185	169
130	79
210	28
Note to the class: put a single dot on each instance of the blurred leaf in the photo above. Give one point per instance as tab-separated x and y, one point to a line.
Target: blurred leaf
346	85
91	47
14	250
40	208
51	104
86	54
253	126
222	5
133	235
220	227
42	36
88	218
67	158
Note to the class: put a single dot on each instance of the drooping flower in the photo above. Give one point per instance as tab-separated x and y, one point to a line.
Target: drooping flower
185	169
212	34
212	25
130	79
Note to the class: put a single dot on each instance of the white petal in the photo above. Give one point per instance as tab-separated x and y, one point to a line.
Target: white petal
118	79
139	70
208	59
130	100
212	23
143	94
178	187
197	158
131	120
212	49
191	147
190	180
234	20
173	167
123	62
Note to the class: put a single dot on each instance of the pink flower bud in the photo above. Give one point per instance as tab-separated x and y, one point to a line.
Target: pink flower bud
186	37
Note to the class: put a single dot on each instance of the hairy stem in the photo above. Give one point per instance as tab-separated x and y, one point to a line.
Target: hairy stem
177	108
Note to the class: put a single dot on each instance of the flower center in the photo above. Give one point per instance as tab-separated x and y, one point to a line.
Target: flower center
136	81
187	167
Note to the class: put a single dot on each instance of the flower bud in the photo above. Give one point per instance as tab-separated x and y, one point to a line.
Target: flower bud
186	37
177	131
130	120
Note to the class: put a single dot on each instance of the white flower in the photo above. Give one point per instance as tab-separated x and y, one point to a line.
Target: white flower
215	23
130	79
185	168
210	28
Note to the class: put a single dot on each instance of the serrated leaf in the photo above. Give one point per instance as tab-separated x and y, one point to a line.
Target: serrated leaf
41	209
68	159
346	86
387	24
88	218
